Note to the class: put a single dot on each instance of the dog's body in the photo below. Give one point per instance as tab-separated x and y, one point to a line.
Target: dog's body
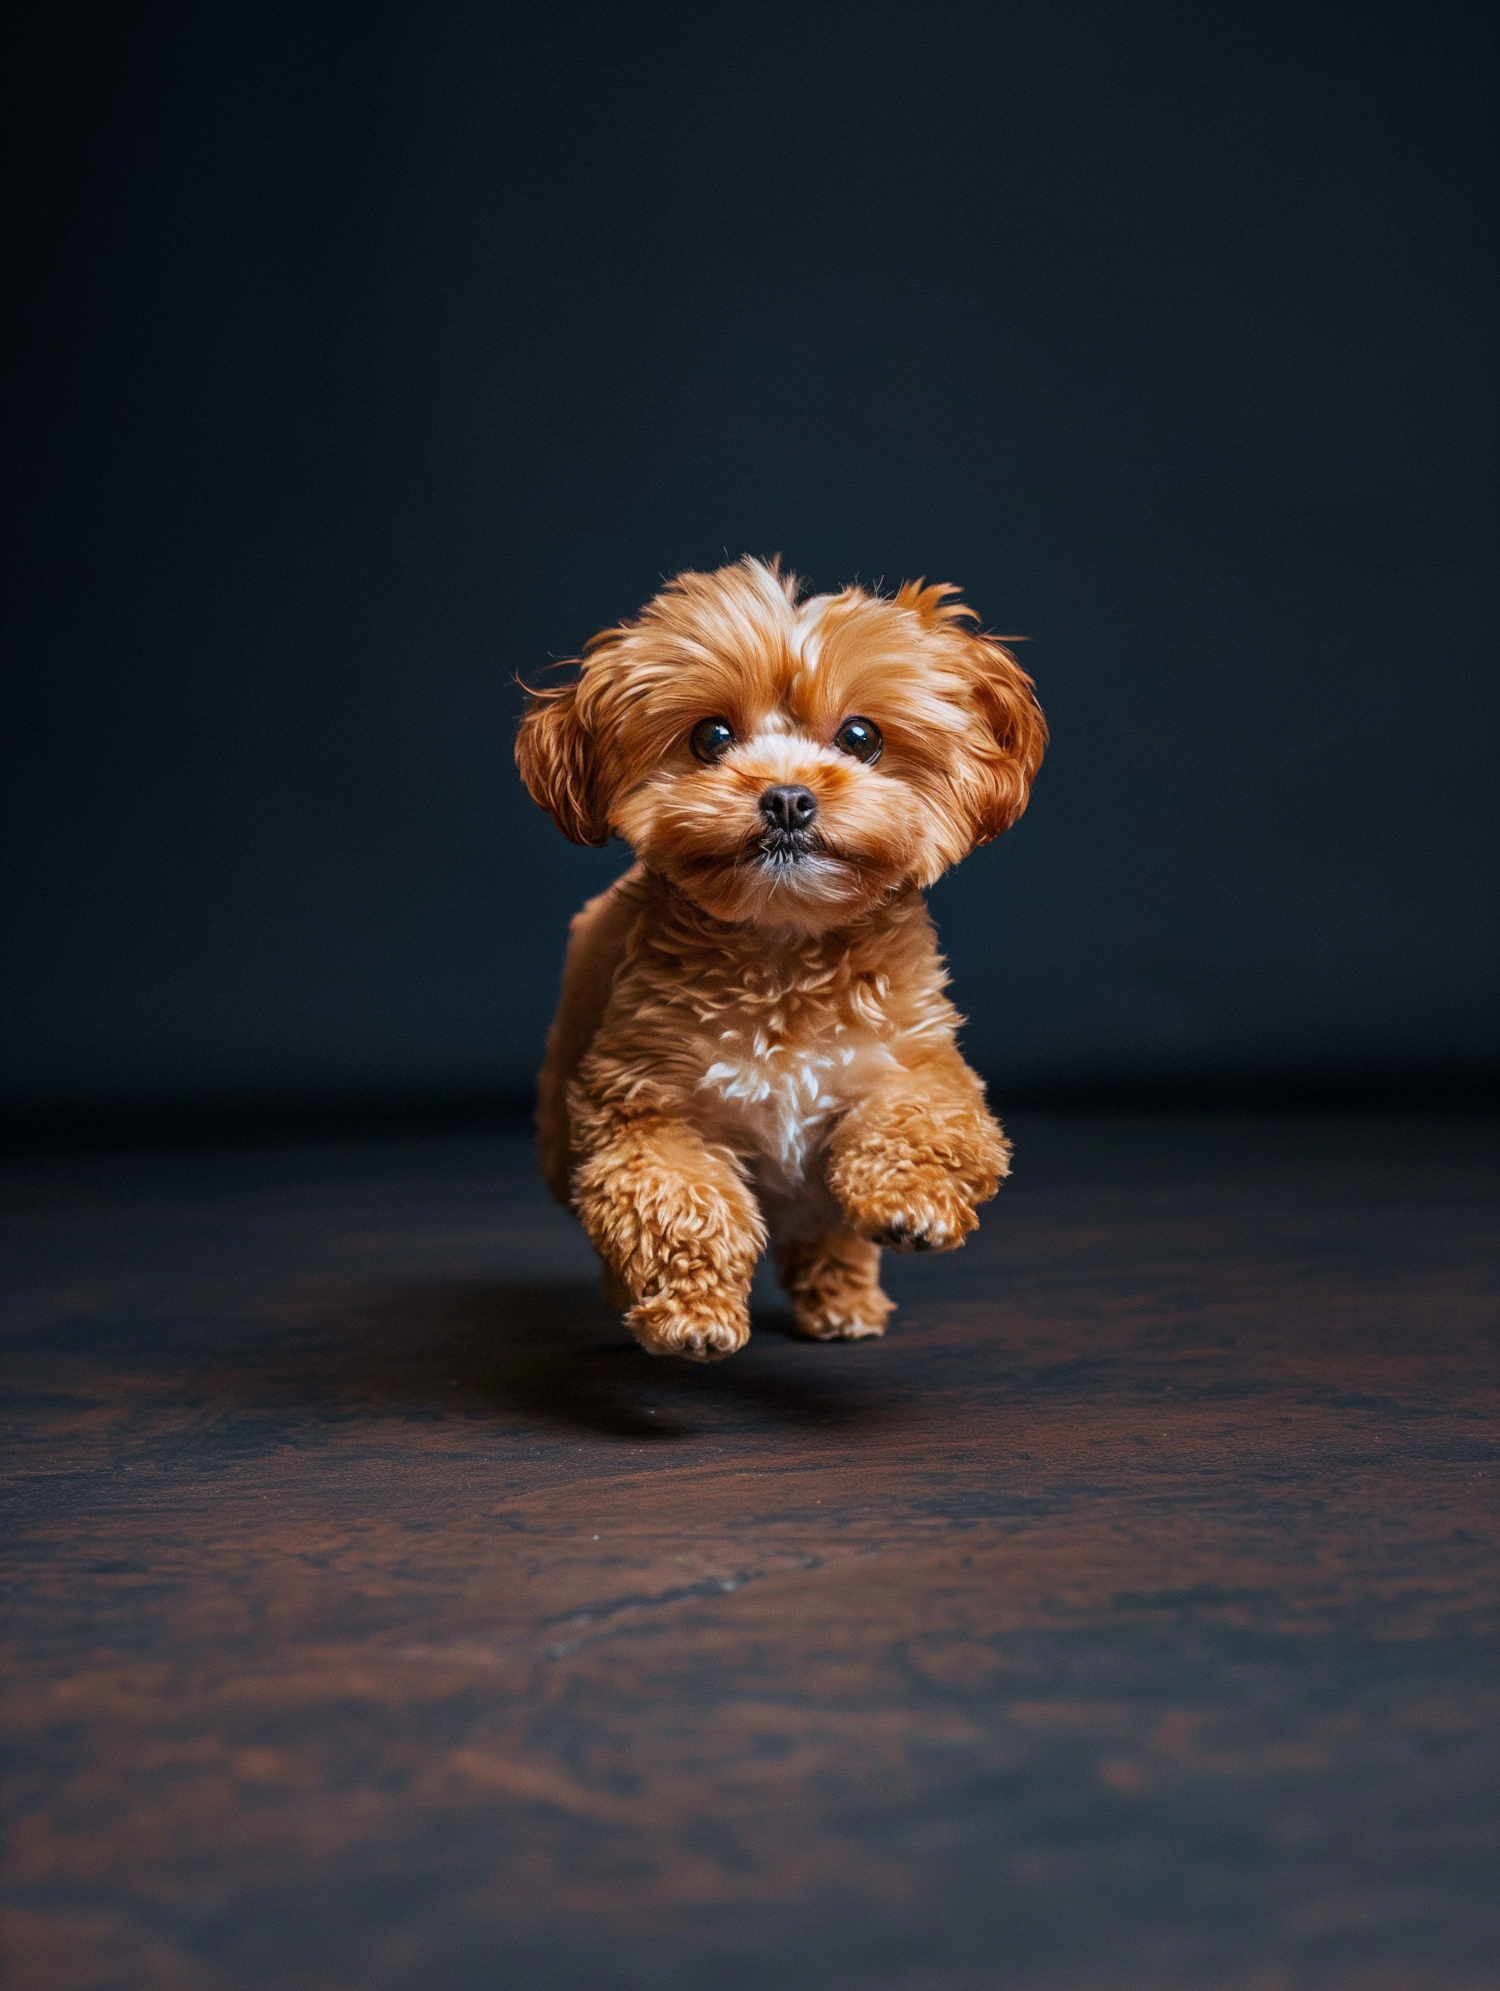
753	1045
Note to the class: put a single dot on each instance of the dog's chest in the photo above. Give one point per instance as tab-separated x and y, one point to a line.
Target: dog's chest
777	1077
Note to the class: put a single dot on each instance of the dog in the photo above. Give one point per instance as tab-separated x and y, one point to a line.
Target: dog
753	1047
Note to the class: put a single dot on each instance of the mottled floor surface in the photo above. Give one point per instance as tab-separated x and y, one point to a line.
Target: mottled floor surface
381	1618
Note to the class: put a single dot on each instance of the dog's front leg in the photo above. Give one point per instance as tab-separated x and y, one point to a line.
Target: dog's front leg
912	1160
674	1221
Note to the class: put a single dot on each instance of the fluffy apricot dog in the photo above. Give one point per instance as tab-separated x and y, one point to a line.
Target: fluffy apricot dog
753	1046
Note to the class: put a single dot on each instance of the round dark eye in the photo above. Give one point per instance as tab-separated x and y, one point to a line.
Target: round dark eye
712	739
861	738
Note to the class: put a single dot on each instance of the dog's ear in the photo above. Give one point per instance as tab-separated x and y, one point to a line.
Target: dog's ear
559	762
1004	763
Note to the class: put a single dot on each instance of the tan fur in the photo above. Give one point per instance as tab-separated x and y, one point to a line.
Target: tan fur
752	1051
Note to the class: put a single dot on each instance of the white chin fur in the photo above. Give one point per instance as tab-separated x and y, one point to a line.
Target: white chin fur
809	879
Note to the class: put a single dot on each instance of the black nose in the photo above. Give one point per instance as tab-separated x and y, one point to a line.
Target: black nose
789	808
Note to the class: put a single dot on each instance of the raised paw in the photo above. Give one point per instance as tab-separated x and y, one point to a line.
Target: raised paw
703	1328
916	1212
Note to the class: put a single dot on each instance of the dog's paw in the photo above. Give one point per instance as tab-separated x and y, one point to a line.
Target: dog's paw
836	1323
702	1328
919	1211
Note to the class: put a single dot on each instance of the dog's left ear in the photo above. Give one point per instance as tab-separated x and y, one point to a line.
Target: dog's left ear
559	762
1005	762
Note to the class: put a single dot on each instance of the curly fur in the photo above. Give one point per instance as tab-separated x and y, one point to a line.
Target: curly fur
753	1045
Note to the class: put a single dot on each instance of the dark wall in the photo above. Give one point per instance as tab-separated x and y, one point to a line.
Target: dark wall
368	358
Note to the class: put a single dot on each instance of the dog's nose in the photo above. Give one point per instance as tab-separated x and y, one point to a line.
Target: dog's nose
789	808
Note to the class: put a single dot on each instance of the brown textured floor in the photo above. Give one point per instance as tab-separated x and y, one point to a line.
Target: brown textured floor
381	1619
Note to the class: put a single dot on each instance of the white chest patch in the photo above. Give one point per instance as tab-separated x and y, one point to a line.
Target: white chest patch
773	1099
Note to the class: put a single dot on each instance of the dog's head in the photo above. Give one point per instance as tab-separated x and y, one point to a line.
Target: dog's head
786	762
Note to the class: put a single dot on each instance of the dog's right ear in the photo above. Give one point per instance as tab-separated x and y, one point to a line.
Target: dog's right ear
558	759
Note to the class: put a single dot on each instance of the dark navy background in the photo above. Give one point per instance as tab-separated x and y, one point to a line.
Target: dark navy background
359	359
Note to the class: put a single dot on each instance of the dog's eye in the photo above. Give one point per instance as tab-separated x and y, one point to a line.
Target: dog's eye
861	738
712	739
